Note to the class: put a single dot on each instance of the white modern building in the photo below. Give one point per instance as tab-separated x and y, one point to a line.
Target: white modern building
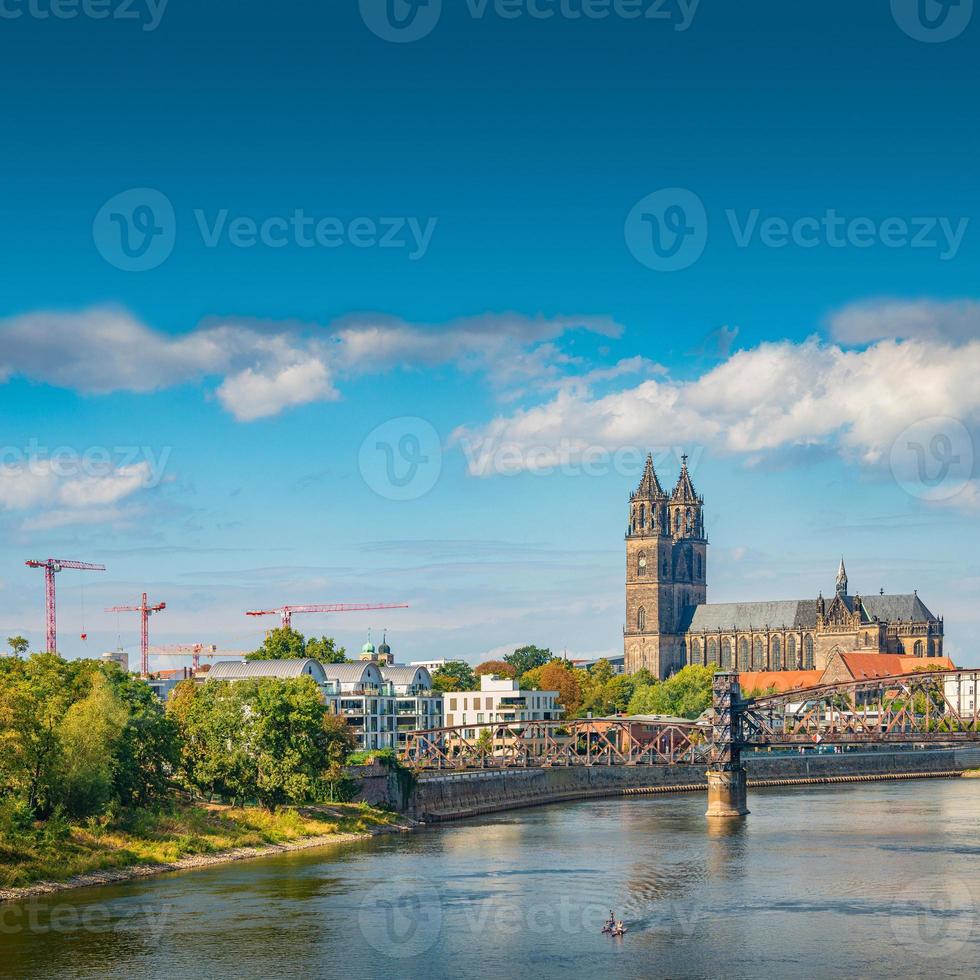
430	665
356	691
499	700
417	706
961	692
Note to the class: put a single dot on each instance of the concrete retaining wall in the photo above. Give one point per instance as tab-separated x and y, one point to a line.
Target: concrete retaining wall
453	796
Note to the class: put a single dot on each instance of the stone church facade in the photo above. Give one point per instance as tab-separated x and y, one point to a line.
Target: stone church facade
670	623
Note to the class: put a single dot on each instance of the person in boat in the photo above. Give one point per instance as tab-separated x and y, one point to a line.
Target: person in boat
619	929
610	923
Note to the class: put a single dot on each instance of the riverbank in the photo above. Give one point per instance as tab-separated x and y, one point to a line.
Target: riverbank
192	836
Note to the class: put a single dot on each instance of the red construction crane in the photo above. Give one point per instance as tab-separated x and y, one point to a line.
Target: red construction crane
51	568
145	610
195	651
286	612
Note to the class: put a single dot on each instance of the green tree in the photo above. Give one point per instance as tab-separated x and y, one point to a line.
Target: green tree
454	676
282	643
148	750
18	645
527	658
557	676
325	650
89	733
687	694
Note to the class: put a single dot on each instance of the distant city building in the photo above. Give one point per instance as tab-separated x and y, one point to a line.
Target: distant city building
961	692
380	702
381	655
119	657
430	665
417	706
669	622
499	700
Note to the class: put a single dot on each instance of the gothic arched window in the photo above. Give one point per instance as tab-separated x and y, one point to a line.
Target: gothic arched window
758	655
641	563
677	520
641	619
791	663
918	648
700	567
726	654
777	654
695	652
713	651
643	515
808	662
688	524
743	654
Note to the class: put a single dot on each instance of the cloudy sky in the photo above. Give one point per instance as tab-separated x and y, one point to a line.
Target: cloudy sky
328	308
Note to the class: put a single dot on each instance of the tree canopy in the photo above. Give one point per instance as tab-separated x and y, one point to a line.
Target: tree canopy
285	643
687	694
454	676
499	667
527	658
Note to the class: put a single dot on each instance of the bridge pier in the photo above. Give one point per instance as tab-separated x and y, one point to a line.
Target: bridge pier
727	793
727	781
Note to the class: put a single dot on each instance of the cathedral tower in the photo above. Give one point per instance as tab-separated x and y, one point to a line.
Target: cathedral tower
666	570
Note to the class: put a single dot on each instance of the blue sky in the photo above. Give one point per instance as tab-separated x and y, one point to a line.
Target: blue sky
487	289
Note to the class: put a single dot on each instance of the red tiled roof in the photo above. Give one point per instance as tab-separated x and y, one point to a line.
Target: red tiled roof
779	680
865	666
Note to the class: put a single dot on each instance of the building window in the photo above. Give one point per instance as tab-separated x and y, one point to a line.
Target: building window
700	568
918	649
713	652
641	619
643	515
666	567
641	563
791	663
777	654
743	654
696	652
808	660
726	654
758	655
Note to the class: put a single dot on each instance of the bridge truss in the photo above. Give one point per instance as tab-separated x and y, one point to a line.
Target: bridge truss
578	742
927	706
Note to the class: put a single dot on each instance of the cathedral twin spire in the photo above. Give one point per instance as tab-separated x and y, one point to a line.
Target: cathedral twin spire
653	512
650	489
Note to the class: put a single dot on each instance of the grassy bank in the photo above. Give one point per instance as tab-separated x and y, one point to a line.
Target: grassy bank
165	838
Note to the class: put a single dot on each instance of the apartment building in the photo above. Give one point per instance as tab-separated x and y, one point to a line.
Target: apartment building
499	700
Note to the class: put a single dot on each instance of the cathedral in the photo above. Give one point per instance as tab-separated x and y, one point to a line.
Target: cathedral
670	623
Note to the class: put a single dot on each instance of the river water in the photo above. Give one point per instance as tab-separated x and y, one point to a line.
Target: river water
867	880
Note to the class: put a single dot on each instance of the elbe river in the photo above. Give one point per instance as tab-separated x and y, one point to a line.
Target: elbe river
861	880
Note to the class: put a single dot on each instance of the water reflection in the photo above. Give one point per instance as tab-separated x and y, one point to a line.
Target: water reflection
890	868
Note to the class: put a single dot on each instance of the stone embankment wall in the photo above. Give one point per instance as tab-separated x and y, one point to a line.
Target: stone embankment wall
451	796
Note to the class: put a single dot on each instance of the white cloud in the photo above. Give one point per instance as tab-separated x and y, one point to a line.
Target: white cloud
771	398
864	323
268	367
255	394
36	485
